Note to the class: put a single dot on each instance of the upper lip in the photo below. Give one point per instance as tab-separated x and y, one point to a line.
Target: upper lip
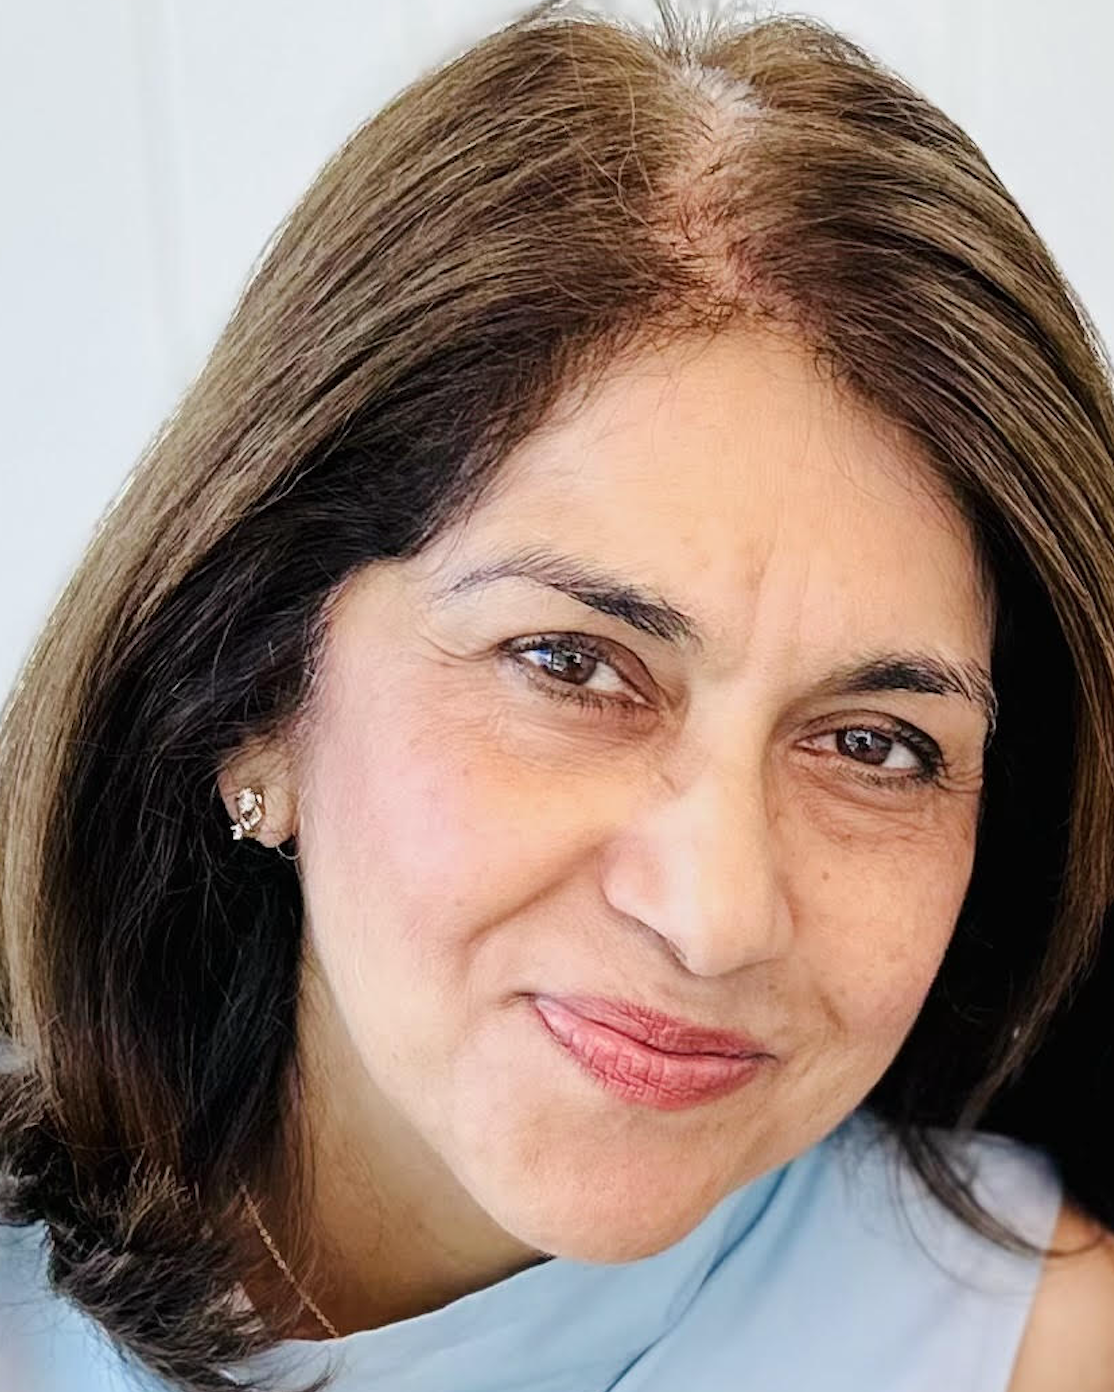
660	1031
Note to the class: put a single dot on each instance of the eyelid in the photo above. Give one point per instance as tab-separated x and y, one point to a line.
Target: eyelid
922	744
862	714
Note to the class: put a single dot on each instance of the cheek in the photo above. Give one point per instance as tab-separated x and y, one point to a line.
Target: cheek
878	932
413	833
877	1002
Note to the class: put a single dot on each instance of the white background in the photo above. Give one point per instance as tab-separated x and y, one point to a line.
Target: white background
149	148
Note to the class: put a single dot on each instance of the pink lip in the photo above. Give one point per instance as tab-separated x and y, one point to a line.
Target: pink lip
644	1056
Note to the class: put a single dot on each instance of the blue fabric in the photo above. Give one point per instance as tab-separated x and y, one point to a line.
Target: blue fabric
836	1273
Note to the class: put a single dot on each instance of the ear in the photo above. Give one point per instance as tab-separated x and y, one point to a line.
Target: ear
263	767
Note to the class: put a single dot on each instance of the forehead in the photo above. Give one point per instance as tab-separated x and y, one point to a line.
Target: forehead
733	477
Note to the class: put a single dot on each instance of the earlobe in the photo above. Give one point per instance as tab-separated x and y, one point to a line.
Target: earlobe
257	801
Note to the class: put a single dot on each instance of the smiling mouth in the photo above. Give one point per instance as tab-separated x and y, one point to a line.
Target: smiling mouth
626	1051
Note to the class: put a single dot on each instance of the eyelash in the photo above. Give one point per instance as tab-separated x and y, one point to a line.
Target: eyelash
926	749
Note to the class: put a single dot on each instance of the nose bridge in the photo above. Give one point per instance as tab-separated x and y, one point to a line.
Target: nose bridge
710	883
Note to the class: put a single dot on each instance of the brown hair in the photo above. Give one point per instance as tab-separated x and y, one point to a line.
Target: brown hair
499	231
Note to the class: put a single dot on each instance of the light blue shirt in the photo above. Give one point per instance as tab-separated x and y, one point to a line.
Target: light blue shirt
836	1273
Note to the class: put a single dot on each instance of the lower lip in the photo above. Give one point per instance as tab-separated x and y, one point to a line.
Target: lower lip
636	1072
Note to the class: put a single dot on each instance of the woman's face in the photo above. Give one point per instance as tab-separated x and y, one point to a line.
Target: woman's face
727	833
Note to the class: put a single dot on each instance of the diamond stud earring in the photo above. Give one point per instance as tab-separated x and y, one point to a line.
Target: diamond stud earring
250	805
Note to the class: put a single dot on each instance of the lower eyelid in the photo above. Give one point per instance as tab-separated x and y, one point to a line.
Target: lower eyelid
928	769
923	775
928	756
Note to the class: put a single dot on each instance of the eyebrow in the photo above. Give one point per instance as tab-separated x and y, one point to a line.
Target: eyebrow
650	612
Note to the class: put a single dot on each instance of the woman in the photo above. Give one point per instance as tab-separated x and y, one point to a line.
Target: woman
635	577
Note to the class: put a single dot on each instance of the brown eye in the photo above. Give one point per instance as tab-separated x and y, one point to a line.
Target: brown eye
562	661
872	745
865	746
562	665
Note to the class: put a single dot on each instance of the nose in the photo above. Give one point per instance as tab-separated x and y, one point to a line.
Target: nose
700	869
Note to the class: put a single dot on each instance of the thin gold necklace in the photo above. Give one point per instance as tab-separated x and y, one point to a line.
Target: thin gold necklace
282	1266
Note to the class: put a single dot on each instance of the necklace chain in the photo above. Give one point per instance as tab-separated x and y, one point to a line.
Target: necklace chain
282	1266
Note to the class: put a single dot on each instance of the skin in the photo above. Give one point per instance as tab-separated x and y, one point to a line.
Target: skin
1069	1339
710	850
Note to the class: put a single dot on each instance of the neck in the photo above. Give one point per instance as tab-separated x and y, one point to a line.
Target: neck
394	1234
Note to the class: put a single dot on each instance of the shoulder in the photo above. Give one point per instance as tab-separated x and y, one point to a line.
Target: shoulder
994	1308
854	1245
1069	1338
1016	1183
1055	1318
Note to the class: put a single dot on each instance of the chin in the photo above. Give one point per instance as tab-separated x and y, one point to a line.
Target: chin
600	1243
606	1227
